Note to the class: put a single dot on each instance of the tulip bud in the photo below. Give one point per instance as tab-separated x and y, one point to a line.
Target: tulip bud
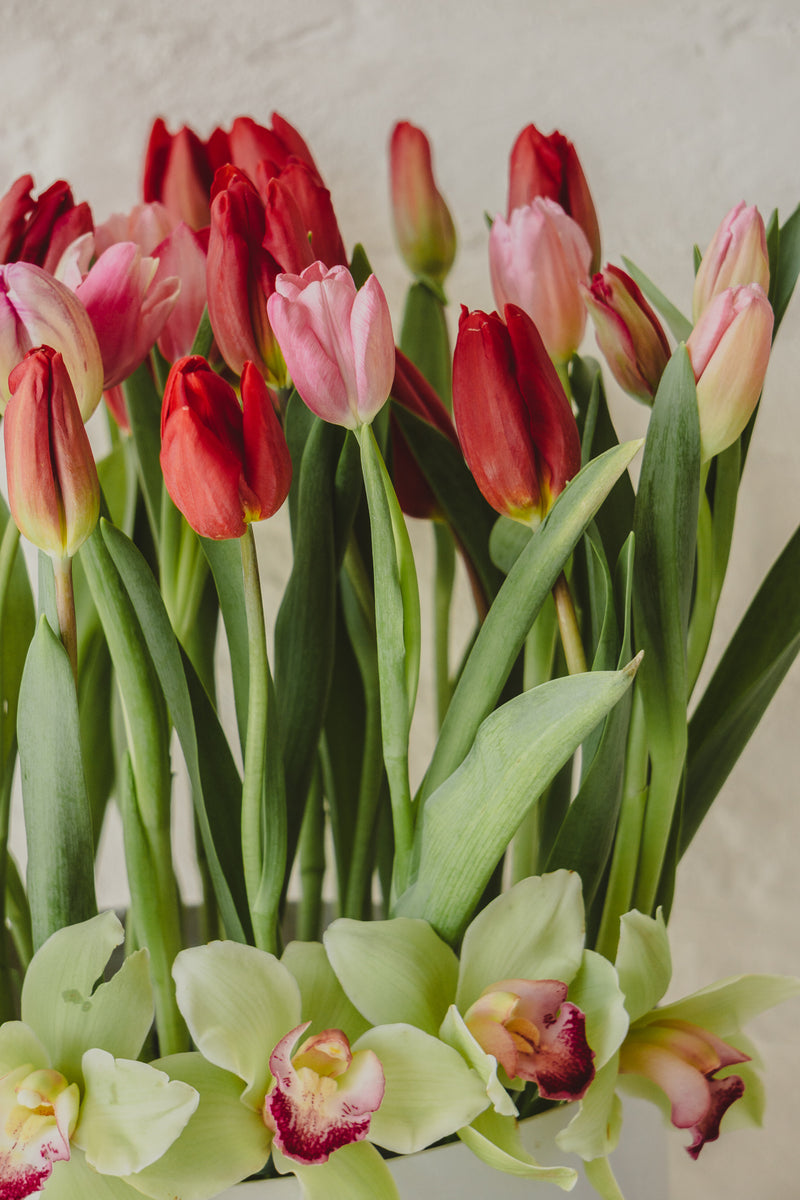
301	226
337	342
224	465
39	231
628	332
737	254
251	144
423	226
548	166
127	306
240	276
729	351
179	169
514	421
53	492
537	260
35	310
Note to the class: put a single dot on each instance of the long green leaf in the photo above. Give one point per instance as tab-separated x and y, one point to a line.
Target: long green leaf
58	824
665	527
144	413
758	656
225	560
18	623
527	586
678	323
217	797
783	280
424	337
469	821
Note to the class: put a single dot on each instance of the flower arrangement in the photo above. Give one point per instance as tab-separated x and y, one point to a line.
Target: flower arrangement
499	945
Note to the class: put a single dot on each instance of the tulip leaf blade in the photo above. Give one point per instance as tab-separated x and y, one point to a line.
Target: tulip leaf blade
144	413
784	265
681	327
424	337
469	820
58	827
515	608
755	662
19	621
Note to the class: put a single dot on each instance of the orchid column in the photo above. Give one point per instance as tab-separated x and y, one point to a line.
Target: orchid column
339	348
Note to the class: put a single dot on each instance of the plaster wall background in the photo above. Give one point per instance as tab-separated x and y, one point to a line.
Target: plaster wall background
678	111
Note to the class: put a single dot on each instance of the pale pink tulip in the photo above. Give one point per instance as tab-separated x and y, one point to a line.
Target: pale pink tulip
538	258
737	254
337	342
729	351
145	224
128	308
183	253
37	310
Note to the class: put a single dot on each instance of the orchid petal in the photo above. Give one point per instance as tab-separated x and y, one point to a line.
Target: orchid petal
131	1113
430	1090
454	1031
725	1006
64	1008
394	971
193	1165
325	1004
38	1110
533	931
18	1045
644	963
596	991
594	1131
356	1172
238	1003
495	1140
76	1180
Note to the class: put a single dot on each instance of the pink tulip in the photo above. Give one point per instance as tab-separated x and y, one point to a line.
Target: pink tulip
729	351
128	308
53	492
737	254
36	310
538	259
182	254
628	332
337	342
145	224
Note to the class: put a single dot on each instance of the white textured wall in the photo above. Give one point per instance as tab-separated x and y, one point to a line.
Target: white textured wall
678	111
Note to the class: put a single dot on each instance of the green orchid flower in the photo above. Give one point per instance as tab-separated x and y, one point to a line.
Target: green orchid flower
291	1068
78	1113
689	1057
504	1006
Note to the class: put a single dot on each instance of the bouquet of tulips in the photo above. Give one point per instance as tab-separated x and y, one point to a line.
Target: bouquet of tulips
499	943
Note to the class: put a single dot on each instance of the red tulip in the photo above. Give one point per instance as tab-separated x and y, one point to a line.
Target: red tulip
422	223
628	332
224	465
179	170
39	231
251	144
301	226
548	166
514	421
53	492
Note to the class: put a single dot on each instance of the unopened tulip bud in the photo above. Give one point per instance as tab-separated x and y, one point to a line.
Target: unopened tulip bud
337	342
537	260
179	170
422	222
53	492
737	254
729	351
36	310
628	332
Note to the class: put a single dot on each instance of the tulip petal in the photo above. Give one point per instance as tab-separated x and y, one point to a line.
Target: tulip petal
356	1172
533	931
205	476
130	1114
495	1140
325	1004
394	971
238	1003
430	1090
373	348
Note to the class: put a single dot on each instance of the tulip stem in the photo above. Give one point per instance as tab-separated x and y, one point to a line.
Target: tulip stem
568	627
263	800
65	608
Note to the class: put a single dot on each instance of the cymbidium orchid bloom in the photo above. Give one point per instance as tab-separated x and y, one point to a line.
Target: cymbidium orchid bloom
423	226
737	254
224	464
679	1055
503	1006
547	165
514	421
128	307
318	1108
729	350
628	332
538	259
337	342
78	1115
38	310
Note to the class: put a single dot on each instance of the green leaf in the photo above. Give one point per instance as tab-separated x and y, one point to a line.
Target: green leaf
225	560
665	528
678	323
144	413
360	267
755	662
58	825
204	338
783	280
18	620
512	614
470	819
425	339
